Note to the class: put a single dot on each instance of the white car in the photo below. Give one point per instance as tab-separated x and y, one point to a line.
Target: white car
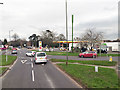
30	53
40	57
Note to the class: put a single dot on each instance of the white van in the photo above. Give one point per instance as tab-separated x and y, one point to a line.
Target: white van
40	57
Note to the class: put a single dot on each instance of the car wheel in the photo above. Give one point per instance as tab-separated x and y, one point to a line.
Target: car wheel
82	56
45	62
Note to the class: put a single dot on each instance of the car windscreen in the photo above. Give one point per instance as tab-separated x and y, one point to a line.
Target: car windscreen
40	54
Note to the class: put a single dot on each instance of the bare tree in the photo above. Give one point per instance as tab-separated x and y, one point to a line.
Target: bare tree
92	37
15	36
60	37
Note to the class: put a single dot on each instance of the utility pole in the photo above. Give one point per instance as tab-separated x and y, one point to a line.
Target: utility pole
66	34
72	33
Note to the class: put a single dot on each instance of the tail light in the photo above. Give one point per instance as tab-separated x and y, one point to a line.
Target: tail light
35	58
45	57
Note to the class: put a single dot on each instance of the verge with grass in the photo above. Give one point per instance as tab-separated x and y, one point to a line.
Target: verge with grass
92	62
73	54
10	60
2	70
85	75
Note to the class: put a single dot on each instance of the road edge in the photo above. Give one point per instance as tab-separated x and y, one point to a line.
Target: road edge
9	68
80	86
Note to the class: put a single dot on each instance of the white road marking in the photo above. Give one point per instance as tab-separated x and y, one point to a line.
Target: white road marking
23	61
33	76
32	65
31	59
43	64
50	81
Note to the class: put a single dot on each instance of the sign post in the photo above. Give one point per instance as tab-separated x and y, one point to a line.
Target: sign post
40	45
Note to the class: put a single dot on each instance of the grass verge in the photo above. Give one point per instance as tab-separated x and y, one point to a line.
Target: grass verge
10	60
2	70
92	62
105	78
74	54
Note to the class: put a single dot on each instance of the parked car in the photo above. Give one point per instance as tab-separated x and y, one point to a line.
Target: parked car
14	51
88	54
30	53
40	57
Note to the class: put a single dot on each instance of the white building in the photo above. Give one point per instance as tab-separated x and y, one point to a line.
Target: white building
113	46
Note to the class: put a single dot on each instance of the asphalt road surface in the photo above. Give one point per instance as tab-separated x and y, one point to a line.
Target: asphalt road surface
78	58
26	74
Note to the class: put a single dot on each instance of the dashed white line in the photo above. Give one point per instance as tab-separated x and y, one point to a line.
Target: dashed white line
32	65
31	59
33	76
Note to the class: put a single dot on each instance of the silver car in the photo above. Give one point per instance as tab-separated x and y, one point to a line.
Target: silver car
40	57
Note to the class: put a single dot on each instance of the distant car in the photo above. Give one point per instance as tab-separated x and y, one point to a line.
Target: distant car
14	51
29	47
88	54
3	48
30	53
40	57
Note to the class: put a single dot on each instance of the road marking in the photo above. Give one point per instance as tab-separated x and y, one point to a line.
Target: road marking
23	61
50	81
31	59
43	64
32	65
33	76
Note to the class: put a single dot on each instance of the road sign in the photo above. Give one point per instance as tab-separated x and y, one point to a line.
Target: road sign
40	45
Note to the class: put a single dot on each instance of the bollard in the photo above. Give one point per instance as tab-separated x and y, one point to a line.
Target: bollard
110	59
96	68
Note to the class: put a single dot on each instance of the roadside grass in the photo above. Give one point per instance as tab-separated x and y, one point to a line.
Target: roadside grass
73	54
10	60
86	75
91	62
2	69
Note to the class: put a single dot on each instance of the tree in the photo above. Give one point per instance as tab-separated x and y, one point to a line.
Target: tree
61	37
34	40
47	37
15	36
5	42
92	37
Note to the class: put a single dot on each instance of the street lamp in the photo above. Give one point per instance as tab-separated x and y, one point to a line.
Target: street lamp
9	34
66	33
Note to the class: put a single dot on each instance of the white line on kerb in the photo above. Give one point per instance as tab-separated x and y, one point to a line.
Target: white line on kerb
33	78
32	65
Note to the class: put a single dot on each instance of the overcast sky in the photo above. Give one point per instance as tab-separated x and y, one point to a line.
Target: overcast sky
26	17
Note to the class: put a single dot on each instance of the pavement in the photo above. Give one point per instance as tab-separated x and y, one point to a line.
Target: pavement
29	75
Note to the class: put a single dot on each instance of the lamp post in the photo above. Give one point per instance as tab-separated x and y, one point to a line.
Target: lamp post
9	35
66	33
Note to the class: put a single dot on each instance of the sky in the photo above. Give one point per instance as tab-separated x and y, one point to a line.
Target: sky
27	17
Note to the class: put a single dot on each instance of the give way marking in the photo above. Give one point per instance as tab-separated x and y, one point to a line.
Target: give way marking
23	61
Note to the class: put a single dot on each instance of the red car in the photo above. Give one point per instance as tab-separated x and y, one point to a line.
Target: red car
88	54
14	49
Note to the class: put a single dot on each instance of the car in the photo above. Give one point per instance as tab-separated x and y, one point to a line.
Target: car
30	53
88	54
14	51
40	57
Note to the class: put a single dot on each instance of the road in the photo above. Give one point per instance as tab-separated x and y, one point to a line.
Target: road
30	75
78	58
